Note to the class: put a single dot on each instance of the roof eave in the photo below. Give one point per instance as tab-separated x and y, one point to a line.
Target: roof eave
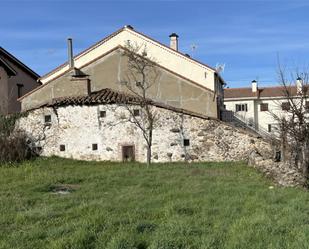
17	61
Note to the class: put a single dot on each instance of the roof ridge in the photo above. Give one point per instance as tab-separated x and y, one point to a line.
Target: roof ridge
263	87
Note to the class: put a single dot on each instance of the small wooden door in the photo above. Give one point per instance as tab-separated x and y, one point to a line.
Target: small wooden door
128	153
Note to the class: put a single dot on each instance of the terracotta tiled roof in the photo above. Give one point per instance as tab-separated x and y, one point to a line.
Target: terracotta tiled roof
265	92
104	96
108	96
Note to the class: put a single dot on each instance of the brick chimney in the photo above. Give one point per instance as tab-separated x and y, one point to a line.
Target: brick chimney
254	86
174	41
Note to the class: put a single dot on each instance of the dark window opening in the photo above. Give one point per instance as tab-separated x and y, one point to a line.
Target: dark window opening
186	142
241	107
62	147
47	119
94	146
269	128
307	105
285	106
20	90
278	156
136	112
264	107
102	114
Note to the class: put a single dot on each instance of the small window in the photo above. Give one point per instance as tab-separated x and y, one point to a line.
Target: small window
47	119
94	146
241	107
269	128
62	147
20	90
285	106
136	112
186	142
264	107
102	114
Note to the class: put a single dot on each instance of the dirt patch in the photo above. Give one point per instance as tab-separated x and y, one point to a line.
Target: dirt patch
63	188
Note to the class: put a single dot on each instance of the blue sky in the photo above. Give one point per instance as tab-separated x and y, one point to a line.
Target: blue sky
247	35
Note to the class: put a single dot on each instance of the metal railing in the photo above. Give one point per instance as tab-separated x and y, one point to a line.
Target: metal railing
250	124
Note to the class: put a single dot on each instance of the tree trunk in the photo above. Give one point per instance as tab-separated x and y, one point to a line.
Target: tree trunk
305	160
149	144
148	155
283	146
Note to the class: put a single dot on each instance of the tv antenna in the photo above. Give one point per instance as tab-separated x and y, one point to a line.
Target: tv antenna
220	67
193	48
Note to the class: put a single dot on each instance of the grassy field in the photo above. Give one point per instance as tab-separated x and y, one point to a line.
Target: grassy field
165	206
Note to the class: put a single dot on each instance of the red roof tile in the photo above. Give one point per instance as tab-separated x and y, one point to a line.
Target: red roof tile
265	92
108	96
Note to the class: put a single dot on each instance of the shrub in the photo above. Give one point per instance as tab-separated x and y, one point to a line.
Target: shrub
14	146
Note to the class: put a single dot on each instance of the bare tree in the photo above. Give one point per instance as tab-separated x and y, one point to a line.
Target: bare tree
141	75
293	120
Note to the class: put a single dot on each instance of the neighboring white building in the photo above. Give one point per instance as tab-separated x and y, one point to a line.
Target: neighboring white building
255	106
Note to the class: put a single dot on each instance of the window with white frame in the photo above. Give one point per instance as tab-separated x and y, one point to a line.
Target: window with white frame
241	107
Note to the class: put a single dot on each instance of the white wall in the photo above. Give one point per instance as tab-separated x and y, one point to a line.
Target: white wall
246	116
264	118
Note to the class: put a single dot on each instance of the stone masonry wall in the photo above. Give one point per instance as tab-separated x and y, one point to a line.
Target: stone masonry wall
79	127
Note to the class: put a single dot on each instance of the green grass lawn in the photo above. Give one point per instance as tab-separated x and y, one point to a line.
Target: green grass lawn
113	205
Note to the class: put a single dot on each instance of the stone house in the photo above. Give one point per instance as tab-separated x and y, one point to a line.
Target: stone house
255	106
80	111
183	83
91	128
16	79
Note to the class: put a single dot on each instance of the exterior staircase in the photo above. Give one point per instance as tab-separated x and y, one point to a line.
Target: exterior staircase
246	123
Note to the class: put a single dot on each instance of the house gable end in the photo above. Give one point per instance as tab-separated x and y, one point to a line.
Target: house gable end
110	71
167	57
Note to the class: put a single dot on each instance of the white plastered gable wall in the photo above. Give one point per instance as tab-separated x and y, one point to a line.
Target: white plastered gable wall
164	56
